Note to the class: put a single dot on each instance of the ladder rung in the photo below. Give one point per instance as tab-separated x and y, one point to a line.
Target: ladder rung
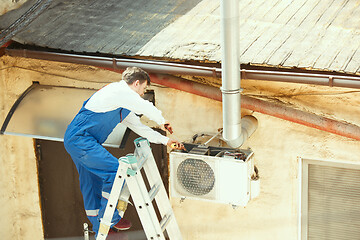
164	222
154	191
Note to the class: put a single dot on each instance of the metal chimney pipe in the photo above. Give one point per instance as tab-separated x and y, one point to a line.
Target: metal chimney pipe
233	132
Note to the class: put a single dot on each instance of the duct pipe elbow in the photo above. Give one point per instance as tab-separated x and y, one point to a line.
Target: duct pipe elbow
248	126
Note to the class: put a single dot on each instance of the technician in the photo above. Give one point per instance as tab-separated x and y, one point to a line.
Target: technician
116	102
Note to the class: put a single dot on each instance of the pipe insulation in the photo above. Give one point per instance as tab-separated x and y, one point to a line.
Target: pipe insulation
235	129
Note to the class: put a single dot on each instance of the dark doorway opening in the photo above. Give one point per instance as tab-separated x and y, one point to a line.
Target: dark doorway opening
63	213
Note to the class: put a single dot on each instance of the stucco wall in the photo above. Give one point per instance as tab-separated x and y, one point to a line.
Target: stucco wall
19	195
277	145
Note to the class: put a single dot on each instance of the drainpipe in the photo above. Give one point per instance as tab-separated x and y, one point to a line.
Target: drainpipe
235	129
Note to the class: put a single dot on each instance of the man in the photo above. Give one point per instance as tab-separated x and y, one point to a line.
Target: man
114	103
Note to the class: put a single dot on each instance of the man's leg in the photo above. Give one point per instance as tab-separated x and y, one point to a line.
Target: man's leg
101	163
90	186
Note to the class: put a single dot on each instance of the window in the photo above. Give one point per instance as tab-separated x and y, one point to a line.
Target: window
330	200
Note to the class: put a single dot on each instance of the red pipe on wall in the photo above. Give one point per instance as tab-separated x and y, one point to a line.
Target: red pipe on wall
264	107
301	117
181	84
3	47
257	105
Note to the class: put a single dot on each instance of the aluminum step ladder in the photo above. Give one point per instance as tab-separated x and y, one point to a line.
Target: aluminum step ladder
129	181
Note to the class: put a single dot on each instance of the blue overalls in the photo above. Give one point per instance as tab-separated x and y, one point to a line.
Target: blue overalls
96	166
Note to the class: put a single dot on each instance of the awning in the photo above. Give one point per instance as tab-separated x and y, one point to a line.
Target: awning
44	112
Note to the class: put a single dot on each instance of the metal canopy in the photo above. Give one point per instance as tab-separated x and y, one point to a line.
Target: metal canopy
44	112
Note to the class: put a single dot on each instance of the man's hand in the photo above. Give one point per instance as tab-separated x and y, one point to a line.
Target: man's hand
167	127
175	144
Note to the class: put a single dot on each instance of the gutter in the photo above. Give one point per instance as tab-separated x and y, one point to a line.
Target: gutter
118	63
307	119
330	80
304	78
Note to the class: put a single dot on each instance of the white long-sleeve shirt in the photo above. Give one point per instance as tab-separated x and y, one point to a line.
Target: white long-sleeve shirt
119	94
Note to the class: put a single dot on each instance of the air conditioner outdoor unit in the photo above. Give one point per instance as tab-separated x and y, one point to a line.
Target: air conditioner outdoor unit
219	175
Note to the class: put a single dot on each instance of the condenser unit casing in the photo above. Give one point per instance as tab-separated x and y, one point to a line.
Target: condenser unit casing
219	179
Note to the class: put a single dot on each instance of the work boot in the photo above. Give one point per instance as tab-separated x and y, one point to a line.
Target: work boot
112	235
123	224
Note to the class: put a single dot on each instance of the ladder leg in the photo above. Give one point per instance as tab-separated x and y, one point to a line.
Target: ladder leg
105	221
129	170
86	231
143	205
168	221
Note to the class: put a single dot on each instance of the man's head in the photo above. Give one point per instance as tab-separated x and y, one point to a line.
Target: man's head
137	79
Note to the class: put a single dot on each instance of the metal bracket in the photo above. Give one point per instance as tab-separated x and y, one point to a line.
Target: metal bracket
331	81
233	91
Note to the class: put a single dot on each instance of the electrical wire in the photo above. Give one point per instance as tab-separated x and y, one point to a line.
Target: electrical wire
57	75
6	68
75	79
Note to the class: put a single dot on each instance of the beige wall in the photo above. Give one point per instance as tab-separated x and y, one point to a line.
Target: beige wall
277	145
19	195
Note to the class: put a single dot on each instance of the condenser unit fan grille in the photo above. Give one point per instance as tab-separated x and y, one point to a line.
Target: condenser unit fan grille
196	176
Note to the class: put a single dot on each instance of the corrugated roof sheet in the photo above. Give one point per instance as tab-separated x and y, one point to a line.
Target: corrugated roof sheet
312	34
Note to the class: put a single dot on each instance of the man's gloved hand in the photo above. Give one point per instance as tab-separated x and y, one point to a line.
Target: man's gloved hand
175	144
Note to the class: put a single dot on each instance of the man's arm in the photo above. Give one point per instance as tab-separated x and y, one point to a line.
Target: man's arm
133	122
119	94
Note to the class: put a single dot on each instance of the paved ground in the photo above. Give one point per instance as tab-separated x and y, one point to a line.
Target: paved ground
125	235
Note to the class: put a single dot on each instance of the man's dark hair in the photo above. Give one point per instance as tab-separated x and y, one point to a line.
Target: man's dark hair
131	74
